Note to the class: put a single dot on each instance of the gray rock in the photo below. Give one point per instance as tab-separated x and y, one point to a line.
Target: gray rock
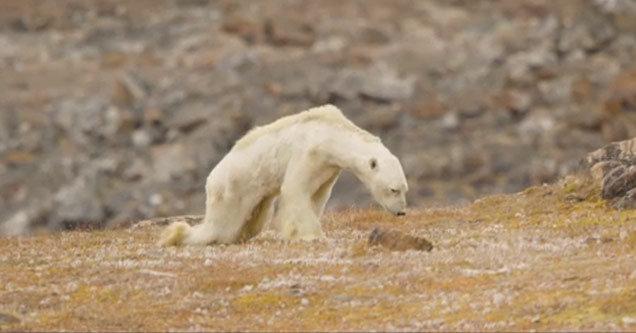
601	169
526	67
589	33
138	169
164	157
18	224
91	121
622	151
618	182
387	87
141	138
628	201
250	30
78	205
380	84
374	35
130	88
616	6
282	31
187	119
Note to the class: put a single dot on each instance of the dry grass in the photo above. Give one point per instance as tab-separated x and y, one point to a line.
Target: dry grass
549	258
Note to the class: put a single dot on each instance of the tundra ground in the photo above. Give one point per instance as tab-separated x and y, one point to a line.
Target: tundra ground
553	257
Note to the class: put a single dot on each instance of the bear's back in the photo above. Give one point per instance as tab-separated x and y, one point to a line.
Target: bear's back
326	113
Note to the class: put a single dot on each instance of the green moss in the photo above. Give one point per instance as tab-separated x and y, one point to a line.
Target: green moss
259	300
621	304
631	239
576	316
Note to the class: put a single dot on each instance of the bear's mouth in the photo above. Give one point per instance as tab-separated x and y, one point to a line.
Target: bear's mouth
396	213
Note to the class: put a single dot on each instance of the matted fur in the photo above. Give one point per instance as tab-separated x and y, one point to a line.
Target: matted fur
326	113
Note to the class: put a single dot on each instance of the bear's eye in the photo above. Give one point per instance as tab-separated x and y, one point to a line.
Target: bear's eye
373	163
395	191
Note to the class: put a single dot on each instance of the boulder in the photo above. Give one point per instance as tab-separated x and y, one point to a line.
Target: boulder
613	167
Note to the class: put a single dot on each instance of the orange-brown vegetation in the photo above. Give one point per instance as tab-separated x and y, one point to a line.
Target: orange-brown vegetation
552	257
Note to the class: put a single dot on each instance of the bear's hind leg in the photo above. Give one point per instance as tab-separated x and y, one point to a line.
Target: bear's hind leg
223	222
261	213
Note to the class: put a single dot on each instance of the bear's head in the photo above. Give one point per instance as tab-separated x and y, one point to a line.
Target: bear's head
385	179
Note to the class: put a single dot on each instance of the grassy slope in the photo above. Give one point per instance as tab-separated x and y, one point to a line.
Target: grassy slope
552	257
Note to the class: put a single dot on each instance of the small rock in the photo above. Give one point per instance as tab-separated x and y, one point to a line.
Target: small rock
141	138
471	105
537	124
190	119
379	119
374	35
288	32
629	320
498	299
427	109
628	201
588	33
136	170
130	89
515	101
450	121
387	87
398	241
584	117
152	116
381	84
155	199
245	28
304	302
19	157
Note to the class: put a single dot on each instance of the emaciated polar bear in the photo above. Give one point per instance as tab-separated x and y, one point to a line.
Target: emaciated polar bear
296	159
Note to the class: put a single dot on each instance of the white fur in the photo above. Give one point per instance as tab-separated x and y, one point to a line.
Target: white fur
296	159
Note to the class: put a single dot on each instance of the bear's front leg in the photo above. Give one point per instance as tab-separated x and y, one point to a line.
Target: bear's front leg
296	217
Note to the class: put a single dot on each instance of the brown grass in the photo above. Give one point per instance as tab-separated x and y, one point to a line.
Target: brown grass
549	258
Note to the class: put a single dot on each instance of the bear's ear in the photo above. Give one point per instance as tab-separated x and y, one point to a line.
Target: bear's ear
373	163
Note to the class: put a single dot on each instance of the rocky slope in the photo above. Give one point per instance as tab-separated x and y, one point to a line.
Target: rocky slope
114	111
553	257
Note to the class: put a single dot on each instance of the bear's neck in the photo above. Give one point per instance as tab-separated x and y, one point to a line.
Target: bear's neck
350	152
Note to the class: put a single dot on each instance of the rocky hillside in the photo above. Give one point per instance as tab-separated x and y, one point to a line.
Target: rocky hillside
115	111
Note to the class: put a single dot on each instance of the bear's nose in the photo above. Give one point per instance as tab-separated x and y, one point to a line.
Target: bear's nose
400	213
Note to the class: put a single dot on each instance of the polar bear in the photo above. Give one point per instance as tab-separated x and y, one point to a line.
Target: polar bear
296	159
